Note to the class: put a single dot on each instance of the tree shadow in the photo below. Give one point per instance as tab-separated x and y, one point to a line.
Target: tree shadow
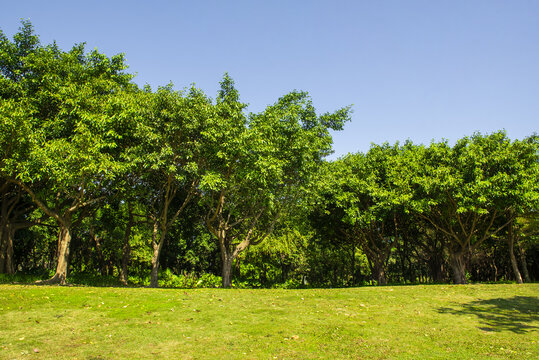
518	314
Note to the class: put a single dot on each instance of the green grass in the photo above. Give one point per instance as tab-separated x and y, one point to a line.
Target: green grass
401	322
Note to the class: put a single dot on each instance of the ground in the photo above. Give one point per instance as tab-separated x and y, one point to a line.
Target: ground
401	322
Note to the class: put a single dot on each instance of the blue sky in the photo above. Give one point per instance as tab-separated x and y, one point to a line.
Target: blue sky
418	70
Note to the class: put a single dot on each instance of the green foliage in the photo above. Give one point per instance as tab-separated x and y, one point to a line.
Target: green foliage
121	179
28	277
189	281
260	165
481	174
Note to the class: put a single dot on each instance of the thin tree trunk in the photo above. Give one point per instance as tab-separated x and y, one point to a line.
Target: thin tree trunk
3	248
126	249
524	264
495	270
7	231
6	250
9	264
99	252
157	247
4	202
510	244
236	266
353	275
400	251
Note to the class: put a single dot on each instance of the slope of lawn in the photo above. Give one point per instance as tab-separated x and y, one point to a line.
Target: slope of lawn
400	322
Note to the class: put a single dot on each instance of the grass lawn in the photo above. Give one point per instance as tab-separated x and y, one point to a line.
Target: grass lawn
393	322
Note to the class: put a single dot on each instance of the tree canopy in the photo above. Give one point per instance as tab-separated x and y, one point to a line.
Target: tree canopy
101	176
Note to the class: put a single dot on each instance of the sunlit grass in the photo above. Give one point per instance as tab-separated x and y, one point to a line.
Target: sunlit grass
408	322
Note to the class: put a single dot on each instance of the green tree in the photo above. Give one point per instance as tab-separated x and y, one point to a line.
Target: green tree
365	188
473	190
526	237
14	133
169	157
259	165
72	105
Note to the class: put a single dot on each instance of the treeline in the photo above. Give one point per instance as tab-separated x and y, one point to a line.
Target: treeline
102	178
437	211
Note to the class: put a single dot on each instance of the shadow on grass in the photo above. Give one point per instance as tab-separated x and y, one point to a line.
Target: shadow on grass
518	314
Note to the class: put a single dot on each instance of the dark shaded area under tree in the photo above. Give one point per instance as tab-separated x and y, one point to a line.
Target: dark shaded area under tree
512	314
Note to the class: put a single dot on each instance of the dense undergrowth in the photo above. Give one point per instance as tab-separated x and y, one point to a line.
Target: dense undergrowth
182	281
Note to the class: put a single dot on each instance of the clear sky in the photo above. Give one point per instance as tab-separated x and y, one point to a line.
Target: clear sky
418	70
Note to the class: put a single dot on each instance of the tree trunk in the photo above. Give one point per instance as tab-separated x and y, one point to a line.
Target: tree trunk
353	258
6	250
99	252
126	249
4	202
524	264
9	264
154	275
381	276
227	261
3	248
124	268
435	265
458	266
435	270
157	247
64	242
510	245
379	273
6	233
377	262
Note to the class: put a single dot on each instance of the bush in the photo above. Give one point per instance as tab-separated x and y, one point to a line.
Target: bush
188	280
89	279
25	278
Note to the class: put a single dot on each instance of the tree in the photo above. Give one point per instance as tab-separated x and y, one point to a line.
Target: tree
473	190
526	236
72	106
169	157
429	248
14	134
259	165
365	189
332	252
